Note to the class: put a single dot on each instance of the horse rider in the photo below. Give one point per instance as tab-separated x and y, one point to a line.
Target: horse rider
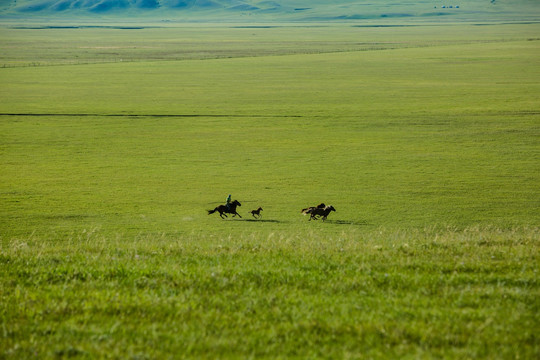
228	204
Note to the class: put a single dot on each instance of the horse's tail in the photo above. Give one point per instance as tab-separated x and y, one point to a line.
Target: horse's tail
212	211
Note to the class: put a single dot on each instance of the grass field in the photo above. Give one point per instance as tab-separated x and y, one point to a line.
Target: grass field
114	144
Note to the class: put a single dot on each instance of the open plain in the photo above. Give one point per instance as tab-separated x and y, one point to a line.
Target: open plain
116	140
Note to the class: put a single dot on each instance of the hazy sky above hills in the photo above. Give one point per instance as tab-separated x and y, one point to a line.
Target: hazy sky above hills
276	9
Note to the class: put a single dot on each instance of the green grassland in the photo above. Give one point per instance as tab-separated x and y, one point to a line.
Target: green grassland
114	143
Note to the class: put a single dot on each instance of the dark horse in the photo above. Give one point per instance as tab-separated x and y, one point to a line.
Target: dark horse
309	209
222	209
324	212
256	213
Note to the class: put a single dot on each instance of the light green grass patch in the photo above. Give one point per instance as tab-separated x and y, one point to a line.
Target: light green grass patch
411	137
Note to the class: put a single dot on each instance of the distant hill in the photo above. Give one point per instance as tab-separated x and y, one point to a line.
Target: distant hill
270	10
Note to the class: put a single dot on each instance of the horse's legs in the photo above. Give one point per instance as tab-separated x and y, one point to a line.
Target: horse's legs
237	214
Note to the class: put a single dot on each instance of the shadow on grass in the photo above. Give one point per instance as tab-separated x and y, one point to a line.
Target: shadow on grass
334	222
264	221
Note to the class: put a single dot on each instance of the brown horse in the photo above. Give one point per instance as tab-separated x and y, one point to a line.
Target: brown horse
309	209
324	212
256	213
224	209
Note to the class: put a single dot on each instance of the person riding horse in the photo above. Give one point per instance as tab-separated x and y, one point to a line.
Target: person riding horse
230	208
228	202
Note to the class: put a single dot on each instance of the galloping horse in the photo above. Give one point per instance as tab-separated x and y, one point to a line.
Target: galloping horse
308	209
222	209
320	211
256	213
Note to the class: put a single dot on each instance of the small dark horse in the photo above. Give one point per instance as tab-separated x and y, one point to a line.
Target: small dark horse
324	212
222	209
256	213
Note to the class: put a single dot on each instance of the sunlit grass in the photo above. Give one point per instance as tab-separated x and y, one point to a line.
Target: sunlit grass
428	153
381	293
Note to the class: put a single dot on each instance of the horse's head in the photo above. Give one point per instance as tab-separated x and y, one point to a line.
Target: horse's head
237	203
330	208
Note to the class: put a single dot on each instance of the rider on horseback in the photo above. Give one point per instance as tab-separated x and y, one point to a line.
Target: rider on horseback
228	204
229	208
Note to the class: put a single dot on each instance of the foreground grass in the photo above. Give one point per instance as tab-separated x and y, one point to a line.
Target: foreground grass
428	294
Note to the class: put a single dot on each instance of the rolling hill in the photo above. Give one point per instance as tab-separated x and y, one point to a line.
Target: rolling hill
276	10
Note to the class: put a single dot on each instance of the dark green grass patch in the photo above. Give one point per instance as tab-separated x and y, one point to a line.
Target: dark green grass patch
277	294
